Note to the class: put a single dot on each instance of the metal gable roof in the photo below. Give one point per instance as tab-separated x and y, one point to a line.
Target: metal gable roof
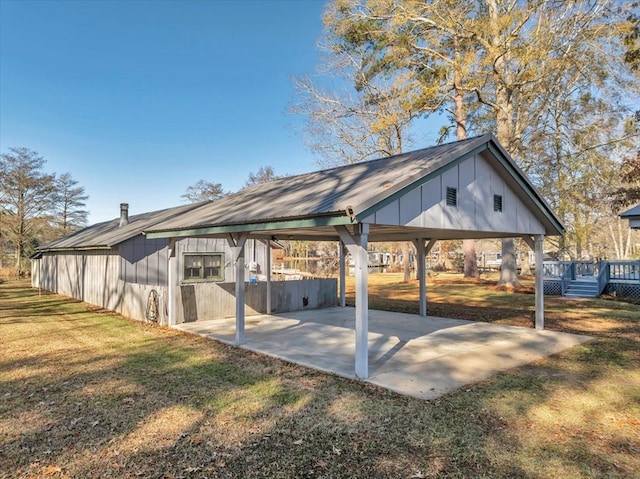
633	212
312	199
362	186
109	233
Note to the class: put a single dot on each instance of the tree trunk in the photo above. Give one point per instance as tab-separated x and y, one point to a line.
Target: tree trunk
18	248
525	266
578	247
468	245
470	262
508	272
406	266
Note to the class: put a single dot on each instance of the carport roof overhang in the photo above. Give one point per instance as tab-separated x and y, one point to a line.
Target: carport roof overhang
288	208
322	228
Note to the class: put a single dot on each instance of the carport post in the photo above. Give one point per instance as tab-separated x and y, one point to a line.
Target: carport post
343	275
422	275
268	276
357	245
172	281
538	249
423	250
362	303
236	243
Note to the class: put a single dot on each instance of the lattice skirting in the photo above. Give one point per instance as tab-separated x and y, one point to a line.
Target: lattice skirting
629	290
552	287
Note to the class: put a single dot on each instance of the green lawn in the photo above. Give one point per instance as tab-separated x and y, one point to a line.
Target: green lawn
84	393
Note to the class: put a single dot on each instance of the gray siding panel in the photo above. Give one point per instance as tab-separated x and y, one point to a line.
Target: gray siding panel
199	301
103	278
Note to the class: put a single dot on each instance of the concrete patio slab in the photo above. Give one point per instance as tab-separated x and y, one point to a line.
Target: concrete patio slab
419	357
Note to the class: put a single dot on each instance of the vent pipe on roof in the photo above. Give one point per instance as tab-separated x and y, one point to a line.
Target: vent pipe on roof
124	214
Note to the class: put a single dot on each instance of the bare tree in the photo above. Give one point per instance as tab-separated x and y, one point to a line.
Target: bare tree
263	175
203	191
26	196
69	204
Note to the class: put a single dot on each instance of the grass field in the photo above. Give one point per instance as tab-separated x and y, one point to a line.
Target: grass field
85	393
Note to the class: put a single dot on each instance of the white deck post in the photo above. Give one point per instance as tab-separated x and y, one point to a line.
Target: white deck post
343	275
172	281
539	239
362	303
268	276
236	243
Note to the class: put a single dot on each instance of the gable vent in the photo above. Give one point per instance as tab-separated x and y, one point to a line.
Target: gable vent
452	196
497	203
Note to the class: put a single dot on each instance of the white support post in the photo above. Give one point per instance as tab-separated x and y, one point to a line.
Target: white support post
362	304
236	243
357	246
172	282
268	276
539	240
343	275
422	275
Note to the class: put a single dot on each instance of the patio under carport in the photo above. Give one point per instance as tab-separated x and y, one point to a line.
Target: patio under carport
468	189
423	357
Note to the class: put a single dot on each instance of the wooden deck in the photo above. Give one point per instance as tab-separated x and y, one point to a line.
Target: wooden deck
591	279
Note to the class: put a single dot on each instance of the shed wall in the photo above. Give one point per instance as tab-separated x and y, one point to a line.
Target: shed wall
145	261
217	300
126	280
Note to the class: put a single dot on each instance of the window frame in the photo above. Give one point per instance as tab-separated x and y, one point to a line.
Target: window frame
202	278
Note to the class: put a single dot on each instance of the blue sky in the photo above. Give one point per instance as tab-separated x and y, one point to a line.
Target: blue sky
140	99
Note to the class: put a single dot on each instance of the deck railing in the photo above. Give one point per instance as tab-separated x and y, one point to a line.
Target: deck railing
621	276
624	270
555	269
604	272
569	274
585	268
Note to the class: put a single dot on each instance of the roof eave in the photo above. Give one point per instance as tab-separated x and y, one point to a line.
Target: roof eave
299	222
41	251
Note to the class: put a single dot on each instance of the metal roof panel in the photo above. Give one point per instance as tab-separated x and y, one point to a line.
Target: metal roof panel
323	192
109	233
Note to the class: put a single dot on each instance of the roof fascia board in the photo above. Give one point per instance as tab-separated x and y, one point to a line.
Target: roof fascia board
524	184
372	207
254	227
79	248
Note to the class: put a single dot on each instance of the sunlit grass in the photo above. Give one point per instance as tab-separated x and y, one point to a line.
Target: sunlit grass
84	393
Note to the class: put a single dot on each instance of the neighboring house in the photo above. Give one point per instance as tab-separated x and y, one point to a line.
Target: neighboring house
633	215
115	266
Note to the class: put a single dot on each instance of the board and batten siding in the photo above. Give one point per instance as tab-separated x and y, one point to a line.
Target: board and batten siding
476	182
125	279
198	301
145	261
89	276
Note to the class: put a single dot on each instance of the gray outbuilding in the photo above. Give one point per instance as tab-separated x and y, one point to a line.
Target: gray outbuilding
114	266
461	190
633	215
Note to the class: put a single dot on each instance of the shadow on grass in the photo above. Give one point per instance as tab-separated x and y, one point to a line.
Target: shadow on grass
156	403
